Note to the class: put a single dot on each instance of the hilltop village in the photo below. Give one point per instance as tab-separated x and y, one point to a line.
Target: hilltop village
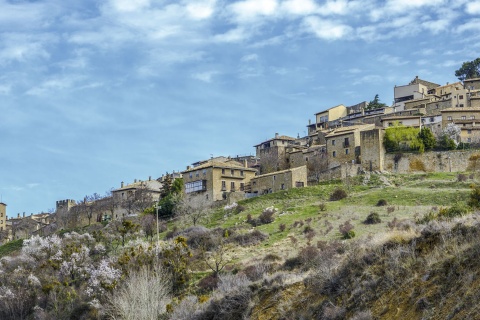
342	141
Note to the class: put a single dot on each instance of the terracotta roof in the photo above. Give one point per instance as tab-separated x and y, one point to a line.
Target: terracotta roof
346	130
217	164
277	172
463	109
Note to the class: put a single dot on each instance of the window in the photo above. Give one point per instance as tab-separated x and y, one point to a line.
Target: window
346	143
204	172
190	175
242	186
472	117
224	185
194	186
469	140
274	177
306	159
469	131
449	118
390	124
197	174
461	105
460	97
464	117
334	154
346	151
432	119
254	183
283	186
232	172
241	173
223	171
232	186
333	142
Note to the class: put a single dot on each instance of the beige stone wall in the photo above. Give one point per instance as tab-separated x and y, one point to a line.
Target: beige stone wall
444	161
339	152
3	216
435	107
281	180
372	150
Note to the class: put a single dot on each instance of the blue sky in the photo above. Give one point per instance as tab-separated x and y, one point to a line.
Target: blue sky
93	93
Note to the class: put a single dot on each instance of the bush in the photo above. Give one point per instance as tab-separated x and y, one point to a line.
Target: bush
381	203
209	283
390	209
462	177
338	194
453	211
267	215
474	200
346	229
322	206
292	263
373	218
251	238
282	227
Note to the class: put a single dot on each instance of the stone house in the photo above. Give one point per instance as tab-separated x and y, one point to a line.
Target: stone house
139	194
343	145
373	150
416	89
468	119
327	118
3	216
215	180
280	180
271	153
408	121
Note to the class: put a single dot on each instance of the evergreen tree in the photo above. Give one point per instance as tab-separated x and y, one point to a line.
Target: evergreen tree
469	70
427	137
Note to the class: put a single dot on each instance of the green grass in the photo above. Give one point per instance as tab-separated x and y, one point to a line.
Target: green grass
11	247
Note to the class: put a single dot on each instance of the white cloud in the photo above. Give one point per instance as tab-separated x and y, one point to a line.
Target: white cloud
334	7
327	29
251	9
473	7
20	48
201	10
233	35
130	5
392	60
249	57
299	7
368	79
204	76
472	25
5	89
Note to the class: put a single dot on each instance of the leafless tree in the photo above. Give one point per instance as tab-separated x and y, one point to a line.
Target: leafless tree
216	259
317	165
193	209
110	203
143	296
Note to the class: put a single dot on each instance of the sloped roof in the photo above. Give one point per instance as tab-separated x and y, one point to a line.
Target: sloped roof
153	185
278	172
277	138
218	164
350	129
428	84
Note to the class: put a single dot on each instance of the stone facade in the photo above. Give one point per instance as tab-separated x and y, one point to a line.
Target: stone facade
272	153
214	180
373	151
343	145
3	216
468	119
434	161
408	121
280	180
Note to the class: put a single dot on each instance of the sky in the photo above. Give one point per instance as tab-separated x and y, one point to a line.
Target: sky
93	92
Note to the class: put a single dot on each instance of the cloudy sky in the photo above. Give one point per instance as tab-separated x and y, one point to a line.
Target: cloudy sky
95	92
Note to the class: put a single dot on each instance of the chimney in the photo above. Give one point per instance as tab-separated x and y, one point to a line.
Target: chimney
18	215
309	121
24	214
135	181
276	135
149	178
121	185
245	163
188	167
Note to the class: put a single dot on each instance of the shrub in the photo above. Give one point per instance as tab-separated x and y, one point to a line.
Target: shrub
282	227
271	257
309	257
474	200
346	229
322	206
427	217
373	218
462	177
255	272
251	238
381	203
390	209
338	194
292	263
453	211
209	283
267	215
307	229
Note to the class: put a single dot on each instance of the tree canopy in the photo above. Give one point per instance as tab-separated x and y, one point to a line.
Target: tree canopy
469	70
402	138
375	104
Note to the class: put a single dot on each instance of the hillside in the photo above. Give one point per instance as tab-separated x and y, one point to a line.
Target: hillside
390	249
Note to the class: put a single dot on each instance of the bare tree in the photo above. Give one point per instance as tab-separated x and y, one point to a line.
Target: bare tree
110	203
193	209
216	259
143	296
90	205
317	165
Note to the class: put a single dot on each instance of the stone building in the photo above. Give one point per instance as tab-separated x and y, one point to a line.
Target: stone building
280	180
408	121
373	150
215	180
468	119
416	89
343	145
3	216
137	196
272	153
327	118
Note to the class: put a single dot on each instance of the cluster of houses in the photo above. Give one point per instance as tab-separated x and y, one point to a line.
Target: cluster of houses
342	141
